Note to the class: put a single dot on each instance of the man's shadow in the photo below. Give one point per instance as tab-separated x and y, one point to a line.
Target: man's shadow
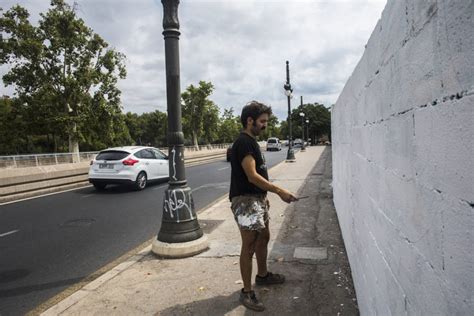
219	305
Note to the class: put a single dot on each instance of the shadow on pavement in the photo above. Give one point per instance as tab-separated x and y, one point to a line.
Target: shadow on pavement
37	287
218	305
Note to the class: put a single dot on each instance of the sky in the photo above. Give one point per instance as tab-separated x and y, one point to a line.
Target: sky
241	46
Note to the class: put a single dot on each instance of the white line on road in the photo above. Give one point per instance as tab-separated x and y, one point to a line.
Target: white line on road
223	168
9	233
86	196
160	186
218	185
46	194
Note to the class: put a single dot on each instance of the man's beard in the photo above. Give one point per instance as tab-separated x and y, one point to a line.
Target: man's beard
255	130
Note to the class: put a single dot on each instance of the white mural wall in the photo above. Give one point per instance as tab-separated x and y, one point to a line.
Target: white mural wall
403	160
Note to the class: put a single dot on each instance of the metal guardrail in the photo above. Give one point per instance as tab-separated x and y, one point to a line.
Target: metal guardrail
36	160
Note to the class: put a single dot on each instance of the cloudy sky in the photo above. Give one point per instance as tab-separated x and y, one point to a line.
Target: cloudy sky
239	45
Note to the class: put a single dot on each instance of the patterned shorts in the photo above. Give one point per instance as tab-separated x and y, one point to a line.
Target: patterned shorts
250	211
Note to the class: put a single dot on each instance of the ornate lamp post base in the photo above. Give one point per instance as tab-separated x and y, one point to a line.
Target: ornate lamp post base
290	156
180	250
180	234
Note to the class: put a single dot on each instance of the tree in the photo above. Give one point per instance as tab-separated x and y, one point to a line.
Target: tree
196	106
155	127
63	71
12	128
135	127
148	128
319	121
211	126
229	126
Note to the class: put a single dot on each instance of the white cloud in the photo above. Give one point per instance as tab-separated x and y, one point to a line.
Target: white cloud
240	46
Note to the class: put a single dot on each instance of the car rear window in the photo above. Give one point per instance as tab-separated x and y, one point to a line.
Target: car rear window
273	141
112	155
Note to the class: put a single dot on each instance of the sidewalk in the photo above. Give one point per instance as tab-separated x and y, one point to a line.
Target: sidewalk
306	245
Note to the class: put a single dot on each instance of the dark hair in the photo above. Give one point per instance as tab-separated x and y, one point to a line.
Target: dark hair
254	109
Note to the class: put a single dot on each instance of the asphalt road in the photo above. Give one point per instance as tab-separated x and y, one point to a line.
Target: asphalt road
51	243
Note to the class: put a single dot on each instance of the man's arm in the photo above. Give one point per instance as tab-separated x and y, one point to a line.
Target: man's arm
249	166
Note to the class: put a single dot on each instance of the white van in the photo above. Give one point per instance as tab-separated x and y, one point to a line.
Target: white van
273	143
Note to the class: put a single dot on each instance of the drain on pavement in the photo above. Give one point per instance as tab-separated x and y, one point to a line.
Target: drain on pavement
312	253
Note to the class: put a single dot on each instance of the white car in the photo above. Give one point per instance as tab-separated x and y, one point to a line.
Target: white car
298	142
134	165
273	143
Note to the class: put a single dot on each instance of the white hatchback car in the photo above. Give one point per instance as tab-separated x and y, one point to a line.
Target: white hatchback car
134	165
273	143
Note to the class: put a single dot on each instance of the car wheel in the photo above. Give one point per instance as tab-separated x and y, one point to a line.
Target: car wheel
140	182
99	186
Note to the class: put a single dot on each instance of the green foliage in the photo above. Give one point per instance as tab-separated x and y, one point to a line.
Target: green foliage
11	125
319	122
229	126
148	128
211	127
64	76
197	109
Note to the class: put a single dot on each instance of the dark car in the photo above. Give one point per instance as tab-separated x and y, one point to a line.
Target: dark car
228	153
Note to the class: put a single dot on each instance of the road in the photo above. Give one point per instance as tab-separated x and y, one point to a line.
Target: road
48	244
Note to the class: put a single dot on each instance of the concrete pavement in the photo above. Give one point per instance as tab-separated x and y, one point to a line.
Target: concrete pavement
306	245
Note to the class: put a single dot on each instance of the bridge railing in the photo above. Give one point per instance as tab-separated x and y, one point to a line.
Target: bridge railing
36	160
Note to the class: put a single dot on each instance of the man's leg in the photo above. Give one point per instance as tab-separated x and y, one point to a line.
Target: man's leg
261	250
264	277
249	238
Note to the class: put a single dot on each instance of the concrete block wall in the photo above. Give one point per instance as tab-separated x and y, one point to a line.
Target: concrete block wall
403	160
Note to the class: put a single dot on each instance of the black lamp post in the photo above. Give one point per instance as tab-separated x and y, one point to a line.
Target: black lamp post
180	234
307	131
290	156
303	148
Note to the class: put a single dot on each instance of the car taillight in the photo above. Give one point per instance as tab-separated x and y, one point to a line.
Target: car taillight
130	162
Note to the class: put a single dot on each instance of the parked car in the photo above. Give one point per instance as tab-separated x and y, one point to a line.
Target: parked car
298	142
135	165
228	153
273	143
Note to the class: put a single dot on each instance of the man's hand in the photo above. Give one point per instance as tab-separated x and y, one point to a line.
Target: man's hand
287	196
248	164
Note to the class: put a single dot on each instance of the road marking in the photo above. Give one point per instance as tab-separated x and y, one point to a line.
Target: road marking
9	233
87	195
212	185
160	186
223	168
46	194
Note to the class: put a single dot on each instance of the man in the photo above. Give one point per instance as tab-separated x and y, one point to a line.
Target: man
248	195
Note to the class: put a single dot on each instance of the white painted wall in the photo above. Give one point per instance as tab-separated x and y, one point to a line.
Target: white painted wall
403	160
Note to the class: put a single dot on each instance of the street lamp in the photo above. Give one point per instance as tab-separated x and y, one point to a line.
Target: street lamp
307	130
180	234
290	156
303	148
